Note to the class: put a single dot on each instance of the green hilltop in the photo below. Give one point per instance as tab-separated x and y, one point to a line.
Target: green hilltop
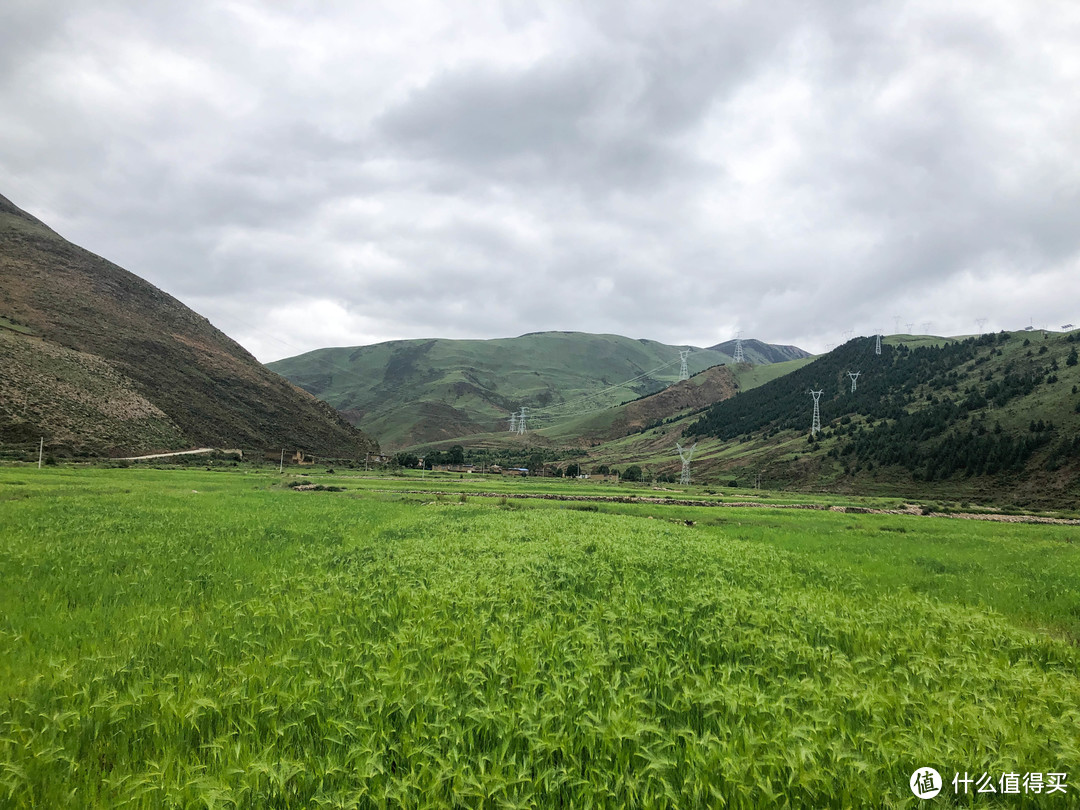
412	392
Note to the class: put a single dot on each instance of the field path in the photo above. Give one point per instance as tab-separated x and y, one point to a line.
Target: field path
907	510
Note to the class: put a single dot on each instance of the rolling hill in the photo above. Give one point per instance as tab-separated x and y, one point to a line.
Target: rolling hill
992	417
758	353
100	362
411	392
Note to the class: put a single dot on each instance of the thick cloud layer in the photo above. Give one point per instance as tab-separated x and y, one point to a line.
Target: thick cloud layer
310	174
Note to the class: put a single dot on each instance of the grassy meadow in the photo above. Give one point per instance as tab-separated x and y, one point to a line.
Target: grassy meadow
197	638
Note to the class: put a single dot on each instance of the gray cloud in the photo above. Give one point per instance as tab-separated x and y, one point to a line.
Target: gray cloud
325	174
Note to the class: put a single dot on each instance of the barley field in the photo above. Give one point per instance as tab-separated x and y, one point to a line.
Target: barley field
188	638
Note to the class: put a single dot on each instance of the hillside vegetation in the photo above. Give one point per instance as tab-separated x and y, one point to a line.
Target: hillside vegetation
995	416
410	392
100	362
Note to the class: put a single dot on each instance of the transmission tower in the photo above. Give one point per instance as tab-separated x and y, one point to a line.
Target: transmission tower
910	326
513	423
521	421
685	454
980	322
738	356
815	426
847	333
896	318
684	372
926	327
854	376
877	345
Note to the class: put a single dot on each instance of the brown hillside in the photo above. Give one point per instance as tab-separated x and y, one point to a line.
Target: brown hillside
711	385
141	371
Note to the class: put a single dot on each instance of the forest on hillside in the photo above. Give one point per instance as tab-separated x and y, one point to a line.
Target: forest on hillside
927	409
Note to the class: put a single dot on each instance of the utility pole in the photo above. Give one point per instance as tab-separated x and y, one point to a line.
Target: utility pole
854	376
684	372
685	455
815	425
281	464
40	452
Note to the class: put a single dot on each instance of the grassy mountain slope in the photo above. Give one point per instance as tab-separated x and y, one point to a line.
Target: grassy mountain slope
705	388
617	433
758	353
415	391
995	417
99	361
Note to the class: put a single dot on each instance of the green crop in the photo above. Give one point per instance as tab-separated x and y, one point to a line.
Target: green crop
245	645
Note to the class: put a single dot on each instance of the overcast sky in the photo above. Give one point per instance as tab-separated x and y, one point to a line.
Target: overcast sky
317	174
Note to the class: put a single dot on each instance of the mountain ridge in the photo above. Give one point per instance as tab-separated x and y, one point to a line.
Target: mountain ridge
81	334
411	392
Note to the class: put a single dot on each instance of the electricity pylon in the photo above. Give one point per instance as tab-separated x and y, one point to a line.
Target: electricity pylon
980	322
897	329
738	356
815	425
684	372
685	454
513	423
877	345
854	376
521	421
910	327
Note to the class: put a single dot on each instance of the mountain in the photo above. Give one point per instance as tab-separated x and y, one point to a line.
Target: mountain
702	389
410	392
994	417
100	362
754	351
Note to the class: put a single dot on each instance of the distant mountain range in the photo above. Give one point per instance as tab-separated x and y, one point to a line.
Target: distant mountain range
758	353
410	392
100	362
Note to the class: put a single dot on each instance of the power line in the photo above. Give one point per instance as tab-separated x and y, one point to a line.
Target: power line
685	455
815	425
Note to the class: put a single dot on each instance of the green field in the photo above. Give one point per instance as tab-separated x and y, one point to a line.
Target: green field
198	638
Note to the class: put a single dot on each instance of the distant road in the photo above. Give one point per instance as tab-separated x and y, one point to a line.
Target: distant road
166	455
